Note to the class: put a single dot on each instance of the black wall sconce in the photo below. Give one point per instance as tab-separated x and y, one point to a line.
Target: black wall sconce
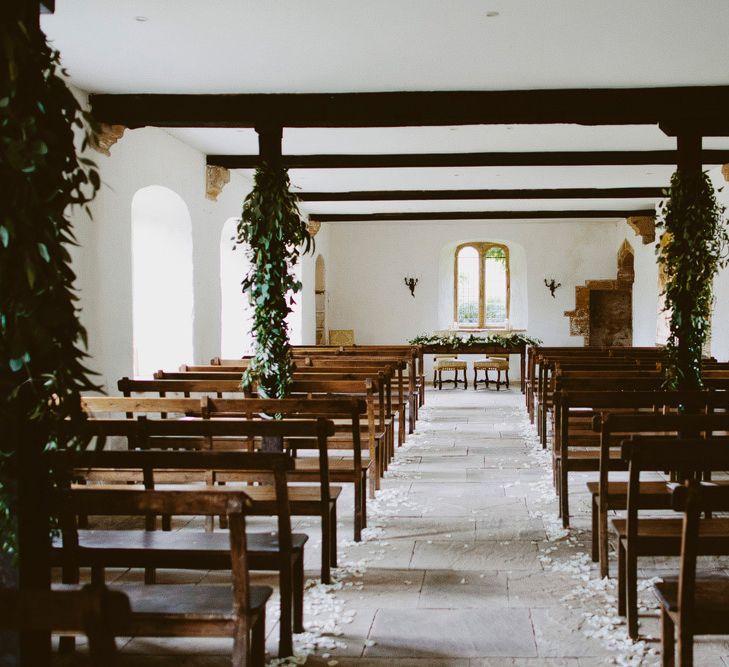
411	282
552	285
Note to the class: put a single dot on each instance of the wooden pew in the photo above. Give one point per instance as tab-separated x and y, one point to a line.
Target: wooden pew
662	536
576	431
318	501
176	610
393	368
614	427
95	611
691	606
344	413
371	392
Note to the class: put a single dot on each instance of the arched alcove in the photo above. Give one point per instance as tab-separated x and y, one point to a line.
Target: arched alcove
236	313
320	297
162	287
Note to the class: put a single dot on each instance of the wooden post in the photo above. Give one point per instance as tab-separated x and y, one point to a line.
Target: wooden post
269	149
689	166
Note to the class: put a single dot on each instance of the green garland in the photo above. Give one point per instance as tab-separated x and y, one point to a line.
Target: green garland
41	362
275	236
454	341
691	253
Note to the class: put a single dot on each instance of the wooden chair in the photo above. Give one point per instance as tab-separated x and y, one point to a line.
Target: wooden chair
498	363
691	606
454	364
95	611
659	536
175	610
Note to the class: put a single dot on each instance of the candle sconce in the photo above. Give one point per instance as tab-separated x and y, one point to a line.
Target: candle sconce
552	285
411	282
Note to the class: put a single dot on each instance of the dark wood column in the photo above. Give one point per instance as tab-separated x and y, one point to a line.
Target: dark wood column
269	143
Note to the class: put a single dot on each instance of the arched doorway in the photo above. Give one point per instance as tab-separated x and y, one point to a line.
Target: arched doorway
320	296
162	293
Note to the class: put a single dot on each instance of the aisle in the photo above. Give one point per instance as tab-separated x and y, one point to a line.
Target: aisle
462	539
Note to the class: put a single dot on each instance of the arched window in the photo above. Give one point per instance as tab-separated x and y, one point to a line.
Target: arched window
162	296
481	285
236	339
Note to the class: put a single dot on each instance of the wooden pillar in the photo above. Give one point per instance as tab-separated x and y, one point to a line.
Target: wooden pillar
689	166
269	150
269	143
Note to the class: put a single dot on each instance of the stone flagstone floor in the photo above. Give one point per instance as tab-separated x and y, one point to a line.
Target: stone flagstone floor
464	565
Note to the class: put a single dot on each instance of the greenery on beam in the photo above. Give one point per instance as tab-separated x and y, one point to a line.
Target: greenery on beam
42	368
454	341
692	250
275	236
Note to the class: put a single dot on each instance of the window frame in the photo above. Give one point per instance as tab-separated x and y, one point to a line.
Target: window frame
482	247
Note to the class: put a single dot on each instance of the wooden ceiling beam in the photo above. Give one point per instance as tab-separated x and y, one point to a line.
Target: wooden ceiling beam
696	106
434	195
475	215
499	159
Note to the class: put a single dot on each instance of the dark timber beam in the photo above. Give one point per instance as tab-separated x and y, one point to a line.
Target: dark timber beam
697	105
500	159
435	195
474	215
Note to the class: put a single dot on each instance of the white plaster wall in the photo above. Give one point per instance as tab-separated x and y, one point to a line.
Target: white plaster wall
144	157
307	299
368	264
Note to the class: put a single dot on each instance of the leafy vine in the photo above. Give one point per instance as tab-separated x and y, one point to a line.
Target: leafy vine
455	341
42	368
275	237
693	249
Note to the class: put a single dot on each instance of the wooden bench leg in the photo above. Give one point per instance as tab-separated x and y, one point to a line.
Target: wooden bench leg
285	637
507	378
333	540
435	374
594	511
564	494
631	593
243	653
259	640
621	577
498	379
440	380
326	539
668	639
359	490
298	585
363	500
604	543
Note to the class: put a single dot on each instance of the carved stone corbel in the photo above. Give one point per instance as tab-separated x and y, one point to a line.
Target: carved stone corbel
313	227
106	137
725	172
644	226
216	178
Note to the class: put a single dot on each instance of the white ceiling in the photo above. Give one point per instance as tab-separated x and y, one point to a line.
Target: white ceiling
243	46
379	45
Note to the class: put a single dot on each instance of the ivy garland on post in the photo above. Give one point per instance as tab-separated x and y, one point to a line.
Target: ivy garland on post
275	237
41	363
694	248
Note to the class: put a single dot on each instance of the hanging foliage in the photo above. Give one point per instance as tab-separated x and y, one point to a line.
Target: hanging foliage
693	249
41	363
275	236
455	341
